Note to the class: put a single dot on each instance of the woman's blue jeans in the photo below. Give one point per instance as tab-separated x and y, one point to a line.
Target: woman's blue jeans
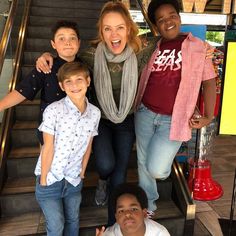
60	203
112	148
154	150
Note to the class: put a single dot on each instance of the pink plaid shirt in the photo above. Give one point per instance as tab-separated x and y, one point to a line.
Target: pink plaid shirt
195	69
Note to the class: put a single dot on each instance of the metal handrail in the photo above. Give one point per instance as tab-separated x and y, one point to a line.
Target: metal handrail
7	32
185	189
7	117
183	198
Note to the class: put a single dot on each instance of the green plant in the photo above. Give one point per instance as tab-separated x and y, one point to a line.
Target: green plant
215	36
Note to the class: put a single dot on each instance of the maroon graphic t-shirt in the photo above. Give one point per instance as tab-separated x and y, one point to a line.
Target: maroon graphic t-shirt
163	83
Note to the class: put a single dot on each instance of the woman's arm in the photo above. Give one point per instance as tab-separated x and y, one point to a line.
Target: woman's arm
46	157
86	158
44	63
11	99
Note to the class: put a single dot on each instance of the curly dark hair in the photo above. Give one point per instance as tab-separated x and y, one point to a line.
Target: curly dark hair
131	189
155	4
65	24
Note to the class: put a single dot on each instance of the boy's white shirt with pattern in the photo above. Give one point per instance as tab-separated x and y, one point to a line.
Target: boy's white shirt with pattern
72	132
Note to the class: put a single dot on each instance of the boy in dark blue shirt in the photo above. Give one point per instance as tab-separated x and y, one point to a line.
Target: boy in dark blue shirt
66	42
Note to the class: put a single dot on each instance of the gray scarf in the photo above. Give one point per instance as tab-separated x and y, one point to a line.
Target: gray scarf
103	86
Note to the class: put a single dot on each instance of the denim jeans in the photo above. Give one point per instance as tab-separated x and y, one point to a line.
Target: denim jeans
154	150
112	148
60	203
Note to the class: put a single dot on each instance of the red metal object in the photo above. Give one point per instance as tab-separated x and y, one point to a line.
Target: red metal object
200	181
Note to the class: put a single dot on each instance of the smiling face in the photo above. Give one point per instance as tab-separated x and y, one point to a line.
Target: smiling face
167	21
114	32
66	43
130	216
76	86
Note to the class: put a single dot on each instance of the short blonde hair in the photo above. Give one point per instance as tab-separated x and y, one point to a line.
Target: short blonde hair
70	69
118	7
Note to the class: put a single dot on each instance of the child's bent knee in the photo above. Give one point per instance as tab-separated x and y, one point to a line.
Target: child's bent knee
157	174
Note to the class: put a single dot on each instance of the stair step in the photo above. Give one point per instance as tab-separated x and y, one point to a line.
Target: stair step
50	21
71	10
21	161
21	167
44	32
24	133
19	186
90	217
37	44
28	111
22	224
19	125
32	103
95	5
44	45
25	70
24	152
18	192
97	216
27	185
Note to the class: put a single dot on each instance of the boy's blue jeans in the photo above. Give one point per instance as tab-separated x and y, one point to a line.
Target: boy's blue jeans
155	150
60	203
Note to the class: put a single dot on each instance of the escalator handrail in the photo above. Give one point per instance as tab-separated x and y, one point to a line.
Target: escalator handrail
7	117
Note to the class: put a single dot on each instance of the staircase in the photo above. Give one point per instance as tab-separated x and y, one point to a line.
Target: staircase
20	213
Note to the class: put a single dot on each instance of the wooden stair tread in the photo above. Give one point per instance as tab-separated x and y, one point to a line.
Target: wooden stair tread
24	152
97	216
23	224
167	209
28	102
26	125
34	222
19	185
27	184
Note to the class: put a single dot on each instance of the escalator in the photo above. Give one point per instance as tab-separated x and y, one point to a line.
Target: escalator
20	147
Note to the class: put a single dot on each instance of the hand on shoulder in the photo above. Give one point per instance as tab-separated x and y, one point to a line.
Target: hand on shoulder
44	63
